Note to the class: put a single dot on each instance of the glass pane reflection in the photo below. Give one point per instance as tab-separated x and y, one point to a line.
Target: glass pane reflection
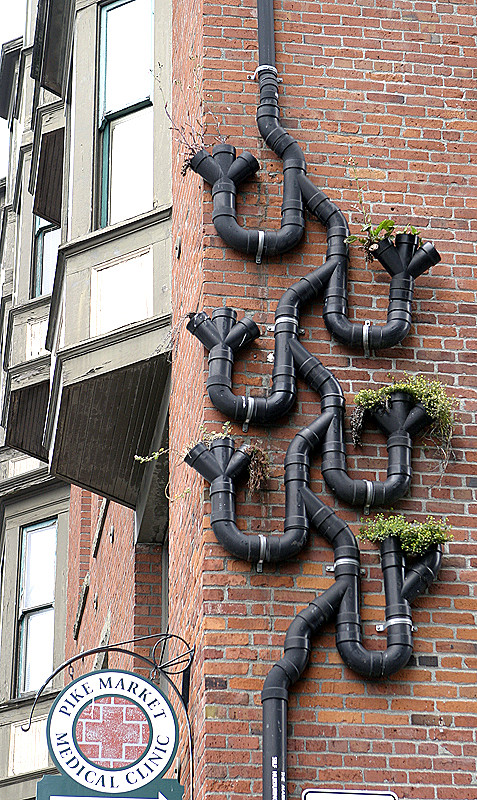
131	181
39	566
128	55
37	649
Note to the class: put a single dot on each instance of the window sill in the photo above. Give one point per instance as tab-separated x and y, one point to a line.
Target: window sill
27	700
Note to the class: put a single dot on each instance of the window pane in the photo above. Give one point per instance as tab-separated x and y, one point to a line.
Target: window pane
51	243
127	52
47	241
37	649
38	580
121	293
131	179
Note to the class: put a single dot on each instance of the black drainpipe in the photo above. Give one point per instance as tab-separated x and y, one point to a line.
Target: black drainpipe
224	172
223	336
222	466
404	260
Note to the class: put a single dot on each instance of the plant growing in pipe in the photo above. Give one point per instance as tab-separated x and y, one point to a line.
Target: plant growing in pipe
416	538
429	397
373	235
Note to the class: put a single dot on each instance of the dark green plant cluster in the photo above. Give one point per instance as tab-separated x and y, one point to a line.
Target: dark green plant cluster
415	537
431	394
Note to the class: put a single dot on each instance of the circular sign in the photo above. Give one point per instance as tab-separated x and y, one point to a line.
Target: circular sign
112	731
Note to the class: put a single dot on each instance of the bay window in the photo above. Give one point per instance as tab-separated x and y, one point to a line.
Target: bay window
125	110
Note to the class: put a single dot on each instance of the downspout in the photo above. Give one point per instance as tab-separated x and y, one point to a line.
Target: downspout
222	466
281	677
224	172
341	599
399	588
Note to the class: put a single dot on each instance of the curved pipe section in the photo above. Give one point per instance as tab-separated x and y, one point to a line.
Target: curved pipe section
224	340
221	466
404	261
400	587
284	674
341	600
224	172
399	423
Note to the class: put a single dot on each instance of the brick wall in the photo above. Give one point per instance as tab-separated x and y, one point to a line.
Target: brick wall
388	84
123	600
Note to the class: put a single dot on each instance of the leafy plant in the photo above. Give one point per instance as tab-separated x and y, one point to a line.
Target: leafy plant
190	132
415	537
371	237
431	394
411	229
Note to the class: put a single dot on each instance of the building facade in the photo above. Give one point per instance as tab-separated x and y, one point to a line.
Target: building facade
111	248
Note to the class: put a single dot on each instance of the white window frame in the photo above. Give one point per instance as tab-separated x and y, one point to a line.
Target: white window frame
21	512
26	612
107	117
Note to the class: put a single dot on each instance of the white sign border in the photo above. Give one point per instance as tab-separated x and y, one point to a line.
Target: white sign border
345	794
77	695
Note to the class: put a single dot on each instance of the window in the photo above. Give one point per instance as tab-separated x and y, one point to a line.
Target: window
125	110
121	292
36	605
47	239
34	543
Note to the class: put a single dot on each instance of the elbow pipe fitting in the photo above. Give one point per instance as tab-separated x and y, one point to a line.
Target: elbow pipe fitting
422	573
223	336
225	172
398	422
398	625
281	677
370	337
423	259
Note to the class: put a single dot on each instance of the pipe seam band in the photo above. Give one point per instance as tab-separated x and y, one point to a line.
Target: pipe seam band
284	318
366	327
340	561
249	403
395	621
369	497
261	243
262	552
262	68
